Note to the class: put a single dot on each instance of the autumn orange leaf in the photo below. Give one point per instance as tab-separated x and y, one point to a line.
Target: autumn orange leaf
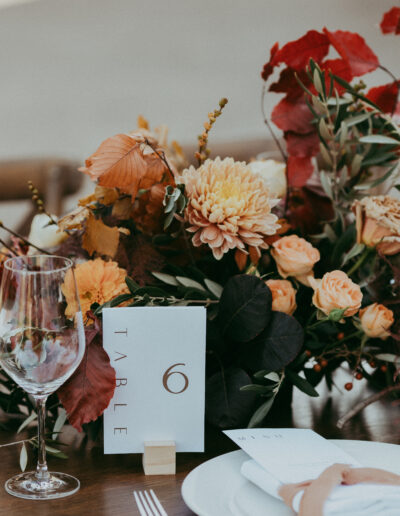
122	208
125	162
74	219
99	238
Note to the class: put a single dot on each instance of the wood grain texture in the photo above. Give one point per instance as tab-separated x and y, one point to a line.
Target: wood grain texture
107	481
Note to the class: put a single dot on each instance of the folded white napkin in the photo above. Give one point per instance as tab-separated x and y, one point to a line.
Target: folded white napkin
354	500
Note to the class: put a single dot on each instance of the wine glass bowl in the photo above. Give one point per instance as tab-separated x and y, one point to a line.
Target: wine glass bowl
41	344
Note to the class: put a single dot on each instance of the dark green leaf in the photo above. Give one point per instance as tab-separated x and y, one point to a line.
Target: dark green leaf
301	383
260	414
277	345
120	299
255	387
244	307
132	285
151	291
226	405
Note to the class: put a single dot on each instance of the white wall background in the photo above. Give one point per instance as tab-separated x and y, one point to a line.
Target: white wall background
76	71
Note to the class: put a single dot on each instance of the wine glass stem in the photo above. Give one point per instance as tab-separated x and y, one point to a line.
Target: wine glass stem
41	468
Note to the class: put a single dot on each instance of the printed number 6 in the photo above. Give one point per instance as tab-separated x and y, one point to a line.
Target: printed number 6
169	373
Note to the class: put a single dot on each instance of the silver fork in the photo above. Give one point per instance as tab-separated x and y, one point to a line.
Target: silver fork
148	504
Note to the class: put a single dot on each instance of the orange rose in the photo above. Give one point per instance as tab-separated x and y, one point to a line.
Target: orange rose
295	257
378	223
376	320
336	291
283	296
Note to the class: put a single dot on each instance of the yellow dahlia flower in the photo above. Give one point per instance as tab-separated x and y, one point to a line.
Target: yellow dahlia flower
97	281
229	206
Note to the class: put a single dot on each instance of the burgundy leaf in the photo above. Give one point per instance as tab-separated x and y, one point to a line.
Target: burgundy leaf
297	54
90	389
302	145
269	66
391	21
354	50
385	97
293	115
308	211
288	84
299	170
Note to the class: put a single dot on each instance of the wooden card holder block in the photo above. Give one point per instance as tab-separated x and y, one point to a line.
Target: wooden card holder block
159	458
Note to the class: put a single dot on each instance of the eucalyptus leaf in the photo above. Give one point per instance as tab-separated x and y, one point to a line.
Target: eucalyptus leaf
354	251
187	282
261	413
326	183
274	377
23	457
301	383
214	288
340	101
27	421
356	164
325	155
323	129
354	120
166	278
388	357
255	387
168	219
60	421
55	452
380	139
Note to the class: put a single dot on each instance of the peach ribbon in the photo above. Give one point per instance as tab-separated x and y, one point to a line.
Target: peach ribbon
317	491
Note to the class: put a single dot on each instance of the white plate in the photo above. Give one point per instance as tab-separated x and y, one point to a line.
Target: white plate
216	487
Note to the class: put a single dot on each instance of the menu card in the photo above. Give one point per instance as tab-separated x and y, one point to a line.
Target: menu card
290	454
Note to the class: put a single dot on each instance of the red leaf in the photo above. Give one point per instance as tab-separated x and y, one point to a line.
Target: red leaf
385	97
299	170
302	145
293	115
288	84
391	21
354	50
297	54
269	66
90	389
338	67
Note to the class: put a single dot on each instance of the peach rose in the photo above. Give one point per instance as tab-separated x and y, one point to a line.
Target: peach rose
294	256
378	223
336	291
376	320
283	296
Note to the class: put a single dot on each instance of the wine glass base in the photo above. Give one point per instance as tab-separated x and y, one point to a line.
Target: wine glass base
26	485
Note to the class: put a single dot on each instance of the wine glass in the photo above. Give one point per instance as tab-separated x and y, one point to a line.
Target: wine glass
42	342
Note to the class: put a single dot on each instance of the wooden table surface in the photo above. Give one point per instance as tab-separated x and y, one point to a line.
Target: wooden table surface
107	481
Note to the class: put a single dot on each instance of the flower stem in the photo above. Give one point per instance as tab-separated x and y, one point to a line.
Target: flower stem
266	122
359	262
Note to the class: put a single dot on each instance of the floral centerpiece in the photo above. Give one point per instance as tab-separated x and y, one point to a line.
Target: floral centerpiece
298	263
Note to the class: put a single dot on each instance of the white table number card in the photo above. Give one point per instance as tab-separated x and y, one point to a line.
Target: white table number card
158	354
